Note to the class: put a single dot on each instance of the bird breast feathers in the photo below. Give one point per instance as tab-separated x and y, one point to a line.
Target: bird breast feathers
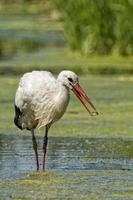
50	107
45	96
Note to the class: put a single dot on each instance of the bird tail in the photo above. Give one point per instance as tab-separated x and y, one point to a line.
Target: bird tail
18	114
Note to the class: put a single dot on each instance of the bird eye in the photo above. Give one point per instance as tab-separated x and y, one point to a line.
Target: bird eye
70	79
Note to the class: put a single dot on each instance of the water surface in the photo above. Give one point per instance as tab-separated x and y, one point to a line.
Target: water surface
64	154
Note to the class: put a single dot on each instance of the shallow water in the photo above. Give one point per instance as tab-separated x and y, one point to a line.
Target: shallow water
64	153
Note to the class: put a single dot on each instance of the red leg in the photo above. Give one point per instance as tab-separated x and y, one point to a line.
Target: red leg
44	149
35	149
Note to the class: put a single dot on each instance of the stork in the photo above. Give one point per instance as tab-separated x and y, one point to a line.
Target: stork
41	99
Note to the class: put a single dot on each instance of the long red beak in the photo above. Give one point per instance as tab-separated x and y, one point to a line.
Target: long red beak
80	93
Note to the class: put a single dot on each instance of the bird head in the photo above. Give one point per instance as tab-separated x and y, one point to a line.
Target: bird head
70	80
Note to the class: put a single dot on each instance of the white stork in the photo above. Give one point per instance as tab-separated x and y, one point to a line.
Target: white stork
41	99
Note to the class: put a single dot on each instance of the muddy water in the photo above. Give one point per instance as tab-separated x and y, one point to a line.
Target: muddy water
64	153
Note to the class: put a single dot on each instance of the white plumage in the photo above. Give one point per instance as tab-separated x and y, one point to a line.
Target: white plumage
41	99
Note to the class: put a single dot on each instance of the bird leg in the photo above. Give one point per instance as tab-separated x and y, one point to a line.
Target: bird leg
35	149
44	149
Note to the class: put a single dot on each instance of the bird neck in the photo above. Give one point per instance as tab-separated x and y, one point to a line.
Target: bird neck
63	90
61	100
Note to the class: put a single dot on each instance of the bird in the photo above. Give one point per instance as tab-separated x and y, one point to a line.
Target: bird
41	99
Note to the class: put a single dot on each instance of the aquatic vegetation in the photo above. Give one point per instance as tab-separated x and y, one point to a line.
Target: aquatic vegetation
75	185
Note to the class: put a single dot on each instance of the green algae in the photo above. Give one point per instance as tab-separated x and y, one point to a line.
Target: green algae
72	185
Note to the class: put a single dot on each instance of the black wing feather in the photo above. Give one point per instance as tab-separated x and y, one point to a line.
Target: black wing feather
18	114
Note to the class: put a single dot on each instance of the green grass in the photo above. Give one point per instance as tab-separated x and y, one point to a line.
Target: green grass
112	96
85	185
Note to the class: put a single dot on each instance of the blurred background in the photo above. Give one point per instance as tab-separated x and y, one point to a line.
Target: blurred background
83	35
